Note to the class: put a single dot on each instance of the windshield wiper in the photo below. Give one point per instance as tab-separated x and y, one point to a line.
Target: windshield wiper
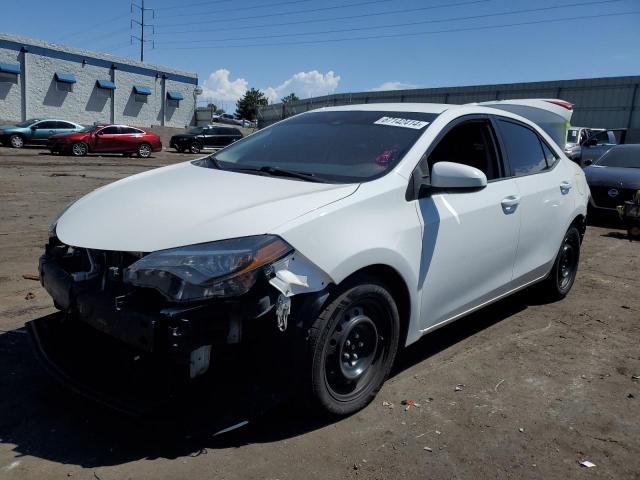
282	172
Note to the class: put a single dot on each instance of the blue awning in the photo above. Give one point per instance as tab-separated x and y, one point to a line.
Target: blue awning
10	68
108	84
141	90
65	77
174	95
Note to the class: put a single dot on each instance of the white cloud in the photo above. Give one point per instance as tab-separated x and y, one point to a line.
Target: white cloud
394	86
305	85
219	87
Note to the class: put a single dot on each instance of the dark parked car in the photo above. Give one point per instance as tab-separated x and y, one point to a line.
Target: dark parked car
35	131
615	177
205	137
106	139
599	143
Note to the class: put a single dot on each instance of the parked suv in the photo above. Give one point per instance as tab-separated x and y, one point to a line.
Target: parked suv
106	139
210	136
317	247
35	131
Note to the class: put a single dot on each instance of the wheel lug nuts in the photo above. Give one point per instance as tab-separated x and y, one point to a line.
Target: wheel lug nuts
347	343
354	356
360	344
345	356
357	335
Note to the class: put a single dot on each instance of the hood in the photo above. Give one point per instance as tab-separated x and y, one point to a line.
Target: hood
185	204
12	127
612	176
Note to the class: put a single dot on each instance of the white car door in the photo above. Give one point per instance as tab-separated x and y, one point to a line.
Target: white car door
546	200
470	237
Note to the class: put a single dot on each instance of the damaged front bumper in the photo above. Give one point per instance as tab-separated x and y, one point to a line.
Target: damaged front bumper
111	337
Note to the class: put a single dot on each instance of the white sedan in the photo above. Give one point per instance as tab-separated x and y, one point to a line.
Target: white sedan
343	234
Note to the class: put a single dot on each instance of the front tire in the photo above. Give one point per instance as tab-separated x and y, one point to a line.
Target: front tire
144	150
565	268
79	149
16	141
353	344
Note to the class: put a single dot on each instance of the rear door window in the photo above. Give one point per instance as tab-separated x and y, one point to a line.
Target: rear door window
523	148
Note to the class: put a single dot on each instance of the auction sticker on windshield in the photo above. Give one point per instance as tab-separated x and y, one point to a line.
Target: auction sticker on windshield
402	122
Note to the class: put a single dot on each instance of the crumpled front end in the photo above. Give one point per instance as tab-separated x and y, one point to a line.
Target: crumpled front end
115	337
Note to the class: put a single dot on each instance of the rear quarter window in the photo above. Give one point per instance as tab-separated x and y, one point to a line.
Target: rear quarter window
523	148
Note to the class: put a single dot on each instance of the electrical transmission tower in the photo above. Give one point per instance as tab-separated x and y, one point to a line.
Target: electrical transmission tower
142	26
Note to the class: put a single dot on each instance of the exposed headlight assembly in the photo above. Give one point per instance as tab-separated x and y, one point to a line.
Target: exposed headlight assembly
208	270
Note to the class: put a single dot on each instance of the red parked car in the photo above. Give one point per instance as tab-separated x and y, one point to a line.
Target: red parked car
106	139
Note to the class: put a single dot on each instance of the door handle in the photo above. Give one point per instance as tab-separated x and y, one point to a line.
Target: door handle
510	203
565	187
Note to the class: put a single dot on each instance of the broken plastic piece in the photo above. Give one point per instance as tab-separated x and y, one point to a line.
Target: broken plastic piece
459	387
294	274
283	309
587	463
199	361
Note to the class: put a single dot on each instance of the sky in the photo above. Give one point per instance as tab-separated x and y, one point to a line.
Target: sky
312	48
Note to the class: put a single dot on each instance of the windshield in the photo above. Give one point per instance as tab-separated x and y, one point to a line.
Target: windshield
342	146
26	123
90	128
195	131
621	157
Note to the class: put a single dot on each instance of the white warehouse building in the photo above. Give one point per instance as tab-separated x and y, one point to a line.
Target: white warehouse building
39	80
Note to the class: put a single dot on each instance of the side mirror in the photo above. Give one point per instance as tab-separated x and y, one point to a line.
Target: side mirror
449	175
588	162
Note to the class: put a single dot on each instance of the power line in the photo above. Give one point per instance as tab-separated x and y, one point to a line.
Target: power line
320	20
407	24
312	10
91	28
289	2
184	5
398	35
105	35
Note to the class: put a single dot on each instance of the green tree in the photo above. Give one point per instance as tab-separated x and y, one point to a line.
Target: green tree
214	108
247	106
292	97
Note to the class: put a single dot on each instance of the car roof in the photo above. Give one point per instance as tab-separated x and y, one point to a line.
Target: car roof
392	107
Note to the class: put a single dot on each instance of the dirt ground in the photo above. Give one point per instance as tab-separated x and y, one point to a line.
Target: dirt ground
543	386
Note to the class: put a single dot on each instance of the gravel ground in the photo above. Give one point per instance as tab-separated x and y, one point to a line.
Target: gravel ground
542	386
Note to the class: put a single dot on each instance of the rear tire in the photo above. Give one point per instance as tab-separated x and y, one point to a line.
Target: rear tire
353	344
79	149
195	147
565	268
16	141
144	150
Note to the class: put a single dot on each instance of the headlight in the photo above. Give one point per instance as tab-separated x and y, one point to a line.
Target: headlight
198	272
